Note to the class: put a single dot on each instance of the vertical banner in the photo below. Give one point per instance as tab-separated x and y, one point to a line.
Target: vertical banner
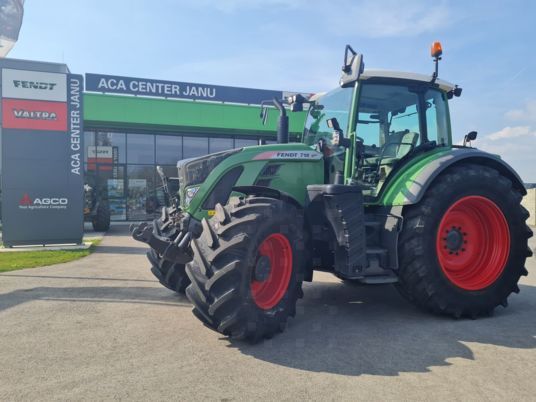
42	158
75	122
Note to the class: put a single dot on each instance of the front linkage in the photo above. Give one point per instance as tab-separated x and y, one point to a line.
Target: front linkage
170	235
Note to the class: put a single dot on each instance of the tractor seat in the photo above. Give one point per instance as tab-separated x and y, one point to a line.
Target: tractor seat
397	146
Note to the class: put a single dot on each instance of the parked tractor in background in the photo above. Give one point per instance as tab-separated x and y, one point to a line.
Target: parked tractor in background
376	193
96	210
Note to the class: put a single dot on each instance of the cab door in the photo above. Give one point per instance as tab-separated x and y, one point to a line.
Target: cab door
392	121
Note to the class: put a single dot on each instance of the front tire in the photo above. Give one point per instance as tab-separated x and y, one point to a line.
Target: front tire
169	274
463	248
247	270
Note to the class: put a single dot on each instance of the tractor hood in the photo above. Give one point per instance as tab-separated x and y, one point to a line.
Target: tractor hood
195	170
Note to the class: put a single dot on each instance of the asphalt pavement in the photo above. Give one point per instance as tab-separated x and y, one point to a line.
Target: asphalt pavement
103	328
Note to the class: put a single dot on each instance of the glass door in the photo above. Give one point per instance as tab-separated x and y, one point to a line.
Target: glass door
142	203
111	187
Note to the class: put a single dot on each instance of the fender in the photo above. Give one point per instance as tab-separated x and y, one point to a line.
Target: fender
409	185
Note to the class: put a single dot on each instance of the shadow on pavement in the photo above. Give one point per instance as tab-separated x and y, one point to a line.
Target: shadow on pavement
351	330
120	250
108	294
115	230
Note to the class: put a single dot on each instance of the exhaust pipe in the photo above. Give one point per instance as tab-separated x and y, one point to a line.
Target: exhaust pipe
282	123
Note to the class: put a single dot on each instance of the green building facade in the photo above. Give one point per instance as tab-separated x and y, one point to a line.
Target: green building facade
126	137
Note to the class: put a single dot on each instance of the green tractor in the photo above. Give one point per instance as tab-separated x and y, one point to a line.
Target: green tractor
375	193
96	210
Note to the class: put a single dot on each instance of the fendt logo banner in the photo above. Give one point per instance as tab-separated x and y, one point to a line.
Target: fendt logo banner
34	115
22	84
27	202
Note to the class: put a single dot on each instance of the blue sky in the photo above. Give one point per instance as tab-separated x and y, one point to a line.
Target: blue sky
297	45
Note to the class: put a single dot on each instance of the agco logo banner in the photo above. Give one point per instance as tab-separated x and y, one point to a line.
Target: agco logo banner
26	202
23	84
34	115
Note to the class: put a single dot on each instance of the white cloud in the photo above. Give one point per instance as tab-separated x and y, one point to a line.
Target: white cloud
512	132
517	146
528	113
365	18
377	19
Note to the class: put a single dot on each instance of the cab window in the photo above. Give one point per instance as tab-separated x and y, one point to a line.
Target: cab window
334	104
394	119
388	120
437	117
389	126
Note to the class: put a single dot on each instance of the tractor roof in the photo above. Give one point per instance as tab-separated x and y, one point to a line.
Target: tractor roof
444	85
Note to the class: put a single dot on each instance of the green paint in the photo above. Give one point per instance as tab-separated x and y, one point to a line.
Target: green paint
350	160
292	178
112	111
399	185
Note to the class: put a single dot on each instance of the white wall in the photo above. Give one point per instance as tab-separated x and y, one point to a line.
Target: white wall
529	202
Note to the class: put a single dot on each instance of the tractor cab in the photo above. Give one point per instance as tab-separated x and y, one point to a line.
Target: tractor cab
383	119
395	119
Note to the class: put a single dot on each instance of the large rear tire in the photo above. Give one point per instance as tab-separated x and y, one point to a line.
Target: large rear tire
463	248
247	270
101	220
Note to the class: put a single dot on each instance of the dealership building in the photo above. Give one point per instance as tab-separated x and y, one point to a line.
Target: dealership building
131	125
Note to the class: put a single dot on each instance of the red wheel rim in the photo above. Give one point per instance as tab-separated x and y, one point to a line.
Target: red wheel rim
473	243
269	292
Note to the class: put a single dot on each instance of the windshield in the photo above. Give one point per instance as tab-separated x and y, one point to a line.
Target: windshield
336	104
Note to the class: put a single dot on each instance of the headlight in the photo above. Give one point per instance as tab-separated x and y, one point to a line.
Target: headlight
190	194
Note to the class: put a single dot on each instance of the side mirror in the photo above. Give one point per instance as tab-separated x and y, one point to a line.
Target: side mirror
296	107
352	68
457	91
334	124
338	137
296	102
471	136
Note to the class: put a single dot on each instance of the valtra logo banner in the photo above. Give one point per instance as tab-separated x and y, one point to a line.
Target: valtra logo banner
34	115
27	202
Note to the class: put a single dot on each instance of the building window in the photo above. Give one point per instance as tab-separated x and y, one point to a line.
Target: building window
220	144
194	146
121	167
140	148
111	145
112	180
89	144
242	142
168	149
